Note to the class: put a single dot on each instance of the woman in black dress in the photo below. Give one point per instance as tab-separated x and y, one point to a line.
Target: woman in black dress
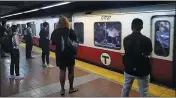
64	56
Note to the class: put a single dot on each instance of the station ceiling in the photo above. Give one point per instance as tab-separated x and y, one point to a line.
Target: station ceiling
17	6
73	7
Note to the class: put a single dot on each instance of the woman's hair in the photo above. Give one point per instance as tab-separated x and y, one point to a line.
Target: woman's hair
63	22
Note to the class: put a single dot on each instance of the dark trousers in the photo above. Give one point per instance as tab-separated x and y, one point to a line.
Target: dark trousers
2	52
45	56
29	46
15	56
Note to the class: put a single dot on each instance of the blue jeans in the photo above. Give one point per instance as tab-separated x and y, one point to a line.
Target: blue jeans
143	84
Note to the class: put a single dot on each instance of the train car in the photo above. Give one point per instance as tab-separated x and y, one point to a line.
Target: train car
95	46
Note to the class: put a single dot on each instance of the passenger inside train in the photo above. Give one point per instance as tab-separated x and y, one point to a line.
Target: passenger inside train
162	38
107	34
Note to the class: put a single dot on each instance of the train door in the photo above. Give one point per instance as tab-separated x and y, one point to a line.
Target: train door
33	27
162	55
174	57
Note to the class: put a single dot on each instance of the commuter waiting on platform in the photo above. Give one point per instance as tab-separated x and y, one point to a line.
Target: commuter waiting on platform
136	61
15	54
44	43
28	36
65	57
3	32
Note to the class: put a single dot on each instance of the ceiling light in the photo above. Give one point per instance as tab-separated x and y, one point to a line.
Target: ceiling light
59	4
46	7
31	11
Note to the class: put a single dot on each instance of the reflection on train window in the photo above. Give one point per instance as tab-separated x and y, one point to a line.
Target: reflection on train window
33	27
23	29
162	38
107	34
19	29
79	30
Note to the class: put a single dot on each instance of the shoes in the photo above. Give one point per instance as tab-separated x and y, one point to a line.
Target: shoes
50	66
12	77
19	77
15	77
44	65
30	58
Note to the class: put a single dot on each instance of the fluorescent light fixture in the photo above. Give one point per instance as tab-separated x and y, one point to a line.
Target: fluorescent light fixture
31	11
12	15
46	7
59	4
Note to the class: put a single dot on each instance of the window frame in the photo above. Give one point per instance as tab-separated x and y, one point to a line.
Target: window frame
120	35
83	31
169	37
55	25
32	23
23	28
20	29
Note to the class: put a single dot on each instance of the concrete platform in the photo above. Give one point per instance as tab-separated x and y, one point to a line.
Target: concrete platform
44	82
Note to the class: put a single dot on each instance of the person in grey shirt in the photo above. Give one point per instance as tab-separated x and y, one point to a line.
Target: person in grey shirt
28	36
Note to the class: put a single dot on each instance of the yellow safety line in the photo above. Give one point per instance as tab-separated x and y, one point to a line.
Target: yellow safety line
153	88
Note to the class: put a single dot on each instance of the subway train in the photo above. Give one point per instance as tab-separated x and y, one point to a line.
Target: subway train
101	33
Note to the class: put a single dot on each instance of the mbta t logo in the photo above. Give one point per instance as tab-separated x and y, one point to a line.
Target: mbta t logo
105	59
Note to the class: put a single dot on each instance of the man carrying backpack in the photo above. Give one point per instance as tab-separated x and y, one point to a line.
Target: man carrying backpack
136	61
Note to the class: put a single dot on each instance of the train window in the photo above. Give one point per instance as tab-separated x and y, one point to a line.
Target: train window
23	29
33	27
107	34
162	38
79	30
41	26
19	28
55	24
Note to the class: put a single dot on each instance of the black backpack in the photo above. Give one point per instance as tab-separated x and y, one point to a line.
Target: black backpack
7	44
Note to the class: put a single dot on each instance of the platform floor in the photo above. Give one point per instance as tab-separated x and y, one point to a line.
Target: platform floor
92	81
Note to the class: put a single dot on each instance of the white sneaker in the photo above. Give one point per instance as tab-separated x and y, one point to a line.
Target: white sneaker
50	66
19	77
44	65
12	77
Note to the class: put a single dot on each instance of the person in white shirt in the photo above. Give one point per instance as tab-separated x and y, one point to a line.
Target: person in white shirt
15	54
112	35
